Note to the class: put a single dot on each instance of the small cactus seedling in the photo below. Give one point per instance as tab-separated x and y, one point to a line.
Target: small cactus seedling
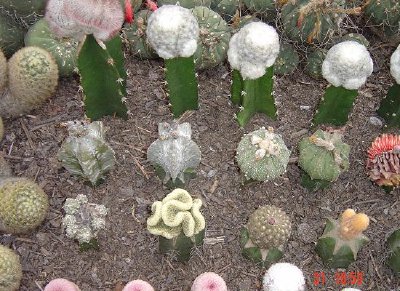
384	161
346	66
386	14
323	157
209	281
11	34
393	243
61	284
251	54
83	220
213	39
23	205
173	32
10	270
138	285
185	3
287	60
174	154
389	108
262	155
314	62
341	240
85	152
284	277
265	234
178	223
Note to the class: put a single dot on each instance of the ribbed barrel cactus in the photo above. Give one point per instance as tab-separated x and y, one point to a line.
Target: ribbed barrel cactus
226	8
85	152
11	34
178	222
314	62
23	205
287	60
342	239
265	234
393	243
262	155
25	12
10	270
284	276
386	14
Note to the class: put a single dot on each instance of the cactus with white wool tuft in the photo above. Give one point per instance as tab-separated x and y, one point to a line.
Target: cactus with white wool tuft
251	54
173	33
10	270
346	67
277	278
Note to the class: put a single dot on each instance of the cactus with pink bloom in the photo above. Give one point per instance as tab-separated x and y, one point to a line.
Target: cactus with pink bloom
61	284
209	281
138	285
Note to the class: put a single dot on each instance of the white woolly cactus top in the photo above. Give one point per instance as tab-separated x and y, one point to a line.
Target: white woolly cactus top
173	32
252	49
395	65
284	277
347	64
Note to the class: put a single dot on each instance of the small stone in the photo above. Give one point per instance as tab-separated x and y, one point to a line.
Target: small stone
306	233
375	121
305	107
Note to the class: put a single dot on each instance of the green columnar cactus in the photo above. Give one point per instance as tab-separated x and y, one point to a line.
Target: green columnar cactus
262	155
251	54
174	154
264	236
314	62
176	42
287	60
25	12
11	35
10	270
385	13
32	79
213	39
3	72
85	152
393	242
185	3
323	156
23	205
178	222
64	50
341	240
226	8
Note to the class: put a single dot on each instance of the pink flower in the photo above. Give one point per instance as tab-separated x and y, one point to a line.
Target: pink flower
138	285
61	285
209	282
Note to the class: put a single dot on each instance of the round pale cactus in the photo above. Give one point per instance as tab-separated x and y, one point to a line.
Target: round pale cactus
138	285
314	62
23	205
265	234
10	270
61	284
209	281
287	60
284	277
394	65
3	71
185	3
262	155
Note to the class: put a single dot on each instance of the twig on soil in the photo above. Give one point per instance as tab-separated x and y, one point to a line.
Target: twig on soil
28	135
368	201
128	146
373	263
49	121
18	158
141	168
38	285
214	186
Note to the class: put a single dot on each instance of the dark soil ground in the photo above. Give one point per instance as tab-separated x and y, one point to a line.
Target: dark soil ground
128	251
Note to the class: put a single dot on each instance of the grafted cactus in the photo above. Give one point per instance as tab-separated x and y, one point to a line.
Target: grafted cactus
10	270
85	152
61	284
178	223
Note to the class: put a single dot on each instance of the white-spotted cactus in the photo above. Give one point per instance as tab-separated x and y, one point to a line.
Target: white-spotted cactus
10	270
284	277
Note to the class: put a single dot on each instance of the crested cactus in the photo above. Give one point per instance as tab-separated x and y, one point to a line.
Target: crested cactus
83	220
284	276
342	239
23	205
213	39
209	281
174	153
386	14
323	156
11	34
85	152
185	3
287	60
178	222
314	62
32	79
10	270
265	234
393	243
262	155
63	50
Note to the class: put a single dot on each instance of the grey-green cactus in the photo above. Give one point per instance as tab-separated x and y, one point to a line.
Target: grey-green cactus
385	13
262	155
265	234
226	8
11	35
10	270
23	205
287	60
85	152
314	62
25	12
179	223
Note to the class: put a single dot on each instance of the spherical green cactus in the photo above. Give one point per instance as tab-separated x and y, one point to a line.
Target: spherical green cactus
64	50
23	205
385	13
354	37
262	155
226	8
10	270
323	156
393	243
3	72
314	62
265	234
287	60
213	40
266	9
11	35
26	12
185	3
32	79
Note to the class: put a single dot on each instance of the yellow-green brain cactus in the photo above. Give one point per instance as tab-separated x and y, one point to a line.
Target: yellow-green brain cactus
10	270
23	205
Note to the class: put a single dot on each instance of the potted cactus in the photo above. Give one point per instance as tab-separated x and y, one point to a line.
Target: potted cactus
342	239
178	223
209	281
284	276
265	234
10	270
393	243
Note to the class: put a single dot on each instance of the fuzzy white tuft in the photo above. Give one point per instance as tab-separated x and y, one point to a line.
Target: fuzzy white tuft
284	277
395	65
347	64
173	32
253	49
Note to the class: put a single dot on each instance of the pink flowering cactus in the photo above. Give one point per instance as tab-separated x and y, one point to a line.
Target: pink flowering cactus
209	282
61	285
138	285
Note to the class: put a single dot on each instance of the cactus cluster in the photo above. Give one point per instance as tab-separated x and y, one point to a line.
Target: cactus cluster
287	60
10	270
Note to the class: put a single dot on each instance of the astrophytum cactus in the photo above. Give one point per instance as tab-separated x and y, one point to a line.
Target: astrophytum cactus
209	281
10	270
284	277
174	153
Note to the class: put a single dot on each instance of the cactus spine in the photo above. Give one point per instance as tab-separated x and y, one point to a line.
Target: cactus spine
10	270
